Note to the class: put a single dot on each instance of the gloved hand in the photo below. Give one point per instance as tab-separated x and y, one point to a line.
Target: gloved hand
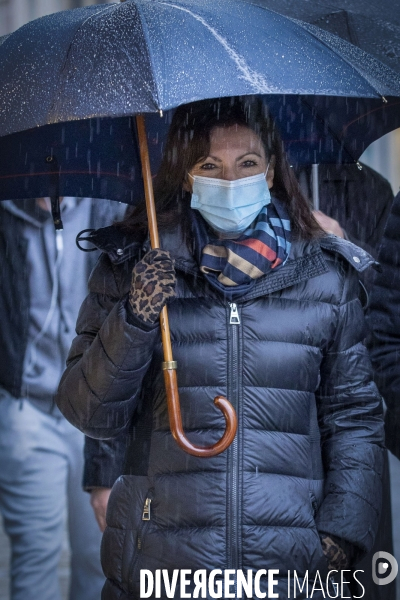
334	553
153	284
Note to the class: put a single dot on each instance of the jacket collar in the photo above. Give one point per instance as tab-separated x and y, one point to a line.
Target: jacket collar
357	257
307	259
121	246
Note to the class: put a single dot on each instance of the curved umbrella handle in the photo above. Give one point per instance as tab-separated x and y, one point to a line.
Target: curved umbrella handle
169	365
174	409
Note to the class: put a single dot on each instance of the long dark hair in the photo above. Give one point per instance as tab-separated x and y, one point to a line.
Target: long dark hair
189	141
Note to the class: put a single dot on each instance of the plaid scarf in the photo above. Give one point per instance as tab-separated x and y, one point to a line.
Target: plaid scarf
232	266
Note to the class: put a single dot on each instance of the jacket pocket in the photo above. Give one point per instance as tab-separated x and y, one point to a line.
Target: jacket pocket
125	527
143	526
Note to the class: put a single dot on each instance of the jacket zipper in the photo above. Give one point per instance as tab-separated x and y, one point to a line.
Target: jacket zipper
146	510
233	470
146	516
234	318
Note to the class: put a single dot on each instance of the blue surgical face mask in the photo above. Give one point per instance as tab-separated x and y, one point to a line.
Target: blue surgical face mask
230	206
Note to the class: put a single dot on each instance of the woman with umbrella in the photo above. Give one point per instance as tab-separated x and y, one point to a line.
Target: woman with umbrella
263	308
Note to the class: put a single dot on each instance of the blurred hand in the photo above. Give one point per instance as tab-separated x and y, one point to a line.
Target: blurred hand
337	559
153	284
99	500
329	225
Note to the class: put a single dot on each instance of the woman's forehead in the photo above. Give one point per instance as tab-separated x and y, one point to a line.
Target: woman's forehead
234	137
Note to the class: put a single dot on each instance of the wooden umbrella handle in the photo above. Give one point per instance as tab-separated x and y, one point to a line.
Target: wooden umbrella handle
169	365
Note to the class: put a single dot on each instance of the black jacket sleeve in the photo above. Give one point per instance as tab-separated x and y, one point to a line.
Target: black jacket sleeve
104	461
100	389
350	419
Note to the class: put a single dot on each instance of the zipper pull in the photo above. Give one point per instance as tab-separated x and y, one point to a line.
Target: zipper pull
234	315
146	510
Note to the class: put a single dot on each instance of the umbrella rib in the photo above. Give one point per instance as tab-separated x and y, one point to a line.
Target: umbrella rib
261	86
99	12
146	36
90	17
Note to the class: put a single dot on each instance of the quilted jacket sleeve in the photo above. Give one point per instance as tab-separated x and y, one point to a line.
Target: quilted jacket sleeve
101	387
351	425
104	461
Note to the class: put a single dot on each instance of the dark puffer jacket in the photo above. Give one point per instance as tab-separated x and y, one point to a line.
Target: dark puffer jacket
307	456
384	320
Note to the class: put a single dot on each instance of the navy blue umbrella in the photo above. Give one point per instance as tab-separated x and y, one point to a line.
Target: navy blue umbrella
70	83
99	157
370	25
106	62
151	55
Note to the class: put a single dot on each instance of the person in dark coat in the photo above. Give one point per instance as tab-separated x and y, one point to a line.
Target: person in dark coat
264	310
355	203
384	323
355	198
384	319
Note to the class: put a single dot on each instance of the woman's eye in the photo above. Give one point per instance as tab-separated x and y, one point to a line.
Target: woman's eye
249	163
208	166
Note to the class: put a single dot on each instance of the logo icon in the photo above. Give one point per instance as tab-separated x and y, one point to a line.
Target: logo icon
384	564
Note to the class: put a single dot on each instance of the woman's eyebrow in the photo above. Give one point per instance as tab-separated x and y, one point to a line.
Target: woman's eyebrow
213	157
248	153
238	158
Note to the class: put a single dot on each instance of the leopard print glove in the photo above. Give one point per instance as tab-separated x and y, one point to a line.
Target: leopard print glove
153	284
335	555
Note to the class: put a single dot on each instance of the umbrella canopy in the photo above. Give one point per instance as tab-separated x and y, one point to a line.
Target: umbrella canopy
81	74
151	55
370	25
99	157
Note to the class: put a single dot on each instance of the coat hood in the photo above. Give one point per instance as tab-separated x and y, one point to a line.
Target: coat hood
28	210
